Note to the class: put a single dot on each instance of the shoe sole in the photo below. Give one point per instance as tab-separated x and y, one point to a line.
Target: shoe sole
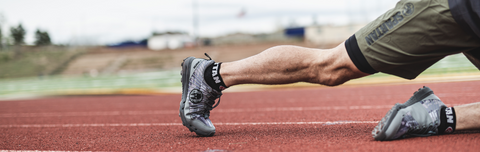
185	73
379	131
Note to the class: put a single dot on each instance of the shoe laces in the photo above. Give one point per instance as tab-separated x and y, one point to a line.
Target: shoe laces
210	104
208	56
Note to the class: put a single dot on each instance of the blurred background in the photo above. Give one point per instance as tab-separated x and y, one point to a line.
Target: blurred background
85	47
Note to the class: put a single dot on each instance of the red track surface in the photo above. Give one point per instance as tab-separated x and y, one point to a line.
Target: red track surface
330	119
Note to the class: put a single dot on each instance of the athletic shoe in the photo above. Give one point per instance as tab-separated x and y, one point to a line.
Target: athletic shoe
419	116
198	97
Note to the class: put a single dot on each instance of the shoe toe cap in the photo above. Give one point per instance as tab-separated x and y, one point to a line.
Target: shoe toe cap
203	127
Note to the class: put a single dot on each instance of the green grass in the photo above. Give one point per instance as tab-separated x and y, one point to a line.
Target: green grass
33	61
59	85
453	64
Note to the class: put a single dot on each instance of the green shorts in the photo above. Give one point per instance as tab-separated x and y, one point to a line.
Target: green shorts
409	38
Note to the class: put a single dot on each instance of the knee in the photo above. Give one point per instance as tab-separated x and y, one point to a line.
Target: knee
330	74
333	80
327	78
334	68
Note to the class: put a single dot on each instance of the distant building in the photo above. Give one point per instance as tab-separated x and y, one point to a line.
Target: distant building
328	34
170	40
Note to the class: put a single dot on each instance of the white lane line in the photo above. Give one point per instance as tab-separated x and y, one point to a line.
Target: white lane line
163	112
71	114
179	124
35	151
298	123
160	112
88	125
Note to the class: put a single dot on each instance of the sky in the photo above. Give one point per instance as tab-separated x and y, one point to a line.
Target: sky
101	22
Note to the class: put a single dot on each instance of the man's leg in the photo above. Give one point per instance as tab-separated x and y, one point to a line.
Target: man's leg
468	116
290	64
203	80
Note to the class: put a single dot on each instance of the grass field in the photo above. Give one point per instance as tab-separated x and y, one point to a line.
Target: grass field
27	61
165	81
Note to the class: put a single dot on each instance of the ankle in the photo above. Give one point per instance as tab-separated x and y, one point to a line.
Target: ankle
448	120
213	78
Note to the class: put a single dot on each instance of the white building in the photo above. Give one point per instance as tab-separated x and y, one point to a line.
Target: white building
169	41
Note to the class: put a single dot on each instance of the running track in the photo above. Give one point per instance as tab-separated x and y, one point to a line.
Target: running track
305	119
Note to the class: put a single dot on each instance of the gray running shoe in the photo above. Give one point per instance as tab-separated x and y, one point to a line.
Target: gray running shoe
419	116
198	97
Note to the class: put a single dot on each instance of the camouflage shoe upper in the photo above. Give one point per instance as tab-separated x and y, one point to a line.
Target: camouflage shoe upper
198	98
419	116
201	97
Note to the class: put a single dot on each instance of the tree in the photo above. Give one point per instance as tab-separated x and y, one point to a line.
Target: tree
18	34
42	38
